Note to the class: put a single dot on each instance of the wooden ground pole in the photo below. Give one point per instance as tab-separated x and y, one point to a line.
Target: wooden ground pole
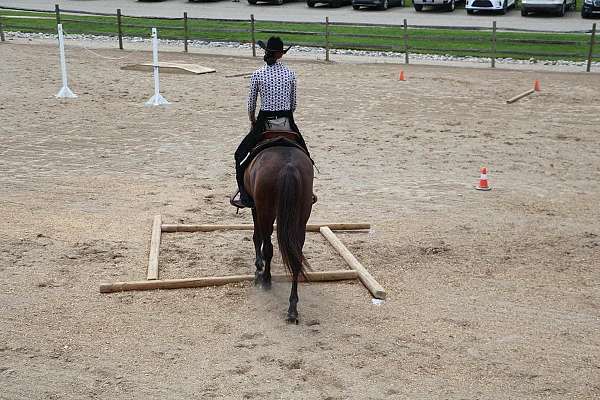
249	227
366	278
520	96
154	248
325	276
152	282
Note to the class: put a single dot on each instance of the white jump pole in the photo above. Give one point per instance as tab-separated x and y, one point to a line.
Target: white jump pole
65	92
157	99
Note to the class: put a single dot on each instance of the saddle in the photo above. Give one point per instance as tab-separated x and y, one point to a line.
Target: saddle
279	124
271	138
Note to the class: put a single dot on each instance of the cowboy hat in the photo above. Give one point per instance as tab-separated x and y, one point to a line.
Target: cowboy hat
274	44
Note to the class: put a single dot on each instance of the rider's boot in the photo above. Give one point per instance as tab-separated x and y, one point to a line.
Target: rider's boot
241	199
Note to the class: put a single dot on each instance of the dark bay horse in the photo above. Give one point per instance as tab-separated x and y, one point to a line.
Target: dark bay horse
280	180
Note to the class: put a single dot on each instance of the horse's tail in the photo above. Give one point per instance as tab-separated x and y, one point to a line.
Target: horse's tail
290	226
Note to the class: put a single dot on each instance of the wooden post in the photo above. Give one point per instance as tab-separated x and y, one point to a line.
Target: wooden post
591	52
494	44
252	30
57	12
370	283
154	248
248	227
326	38
325	276
2	38
405	42
119	28
185	32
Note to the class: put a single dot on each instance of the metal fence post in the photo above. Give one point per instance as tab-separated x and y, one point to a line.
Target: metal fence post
185	32
2	38
253	35
326	38
591	52
494	44
405	42
119	28
57	12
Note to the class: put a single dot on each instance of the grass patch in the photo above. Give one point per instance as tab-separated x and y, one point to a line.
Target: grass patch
518	45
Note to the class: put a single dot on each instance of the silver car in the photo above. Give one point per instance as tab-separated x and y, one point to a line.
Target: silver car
557	6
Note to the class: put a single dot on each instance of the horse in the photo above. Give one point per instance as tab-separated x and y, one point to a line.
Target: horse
280	181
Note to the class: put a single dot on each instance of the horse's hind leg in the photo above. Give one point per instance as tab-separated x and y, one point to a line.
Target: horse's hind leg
292	314
259	261
268	255
263	229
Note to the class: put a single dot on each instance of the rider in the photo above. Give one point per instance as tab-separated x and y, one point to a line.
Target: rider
276	84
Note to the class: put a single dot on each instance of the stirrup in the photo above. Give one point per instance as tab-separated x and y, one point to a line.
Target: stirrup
235	200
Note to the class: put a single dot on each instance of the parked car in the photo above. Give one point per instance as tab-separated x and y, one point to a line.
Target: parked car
381	4
590	7
278	2
331	3
557	6
489	5
448	5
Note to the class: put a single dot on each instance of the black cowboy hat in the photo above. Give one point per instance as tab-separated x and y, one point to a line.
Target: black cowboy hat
274	44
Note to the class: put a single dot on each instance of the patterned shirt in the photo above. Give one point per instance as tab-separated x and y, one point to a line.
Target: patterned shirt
277	87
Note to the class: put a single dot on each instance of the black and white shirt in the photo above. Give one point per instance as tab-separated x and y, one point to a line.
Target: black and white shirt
277	87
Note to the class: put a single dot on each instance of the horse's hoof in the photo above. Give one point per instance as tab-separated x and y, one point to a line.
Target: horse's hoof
292	319
266	285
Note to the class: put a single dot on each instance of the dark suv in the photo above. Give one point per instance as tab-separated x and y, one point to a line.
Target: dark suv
331	3
590	7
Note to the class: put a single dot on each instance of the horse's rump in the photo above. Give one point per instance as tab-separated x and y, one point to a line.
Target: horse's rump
264	171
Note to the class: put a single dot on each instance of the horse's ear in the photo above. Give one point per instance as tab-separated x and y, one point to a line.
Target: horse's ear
286	50
261	44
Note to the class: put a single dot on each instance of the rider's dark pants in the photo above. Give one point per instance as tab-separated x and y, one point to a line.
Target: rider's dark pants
252	139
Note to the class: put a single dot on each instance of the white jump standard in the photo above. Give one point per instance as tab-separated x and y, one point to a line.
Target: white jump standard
65	92
157	99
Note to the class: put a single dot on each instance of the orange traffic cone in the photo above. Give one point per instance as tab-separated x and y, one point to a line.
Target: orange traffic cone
536	85
483	181
401	77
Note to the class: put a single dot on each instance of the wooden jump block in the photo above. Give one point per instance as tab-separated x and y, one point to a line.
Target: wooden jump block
326	276
170	68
